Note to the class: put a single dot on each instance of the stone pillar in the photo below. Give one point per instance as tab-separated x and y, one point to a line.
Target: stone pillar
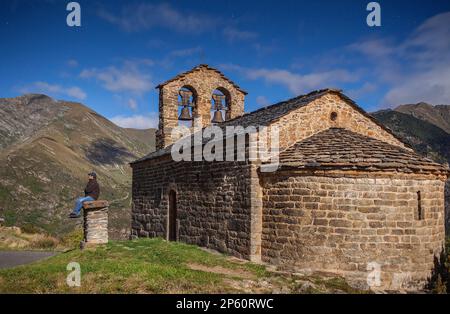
95	223
256	215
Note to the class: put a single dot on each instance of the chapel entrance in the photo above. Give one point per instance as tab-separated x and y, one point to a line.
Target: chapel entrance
172	215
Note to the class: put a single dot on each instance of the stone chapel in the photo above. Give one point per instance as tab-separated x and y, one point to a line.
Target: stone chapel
347	193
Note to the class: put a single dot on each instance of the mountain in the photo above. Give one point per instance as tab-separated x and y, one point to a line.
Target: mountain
425	137
47	149
438	115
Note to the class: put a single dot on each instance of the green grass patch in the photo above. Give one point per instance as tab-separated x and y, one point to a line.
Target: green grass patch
146	266
10	216
5	194
33	184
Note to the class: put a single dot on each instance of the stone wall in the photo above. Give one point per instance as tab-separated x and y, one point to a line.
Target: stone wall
340	224
316	117
447	207
214	202
202	81
95	225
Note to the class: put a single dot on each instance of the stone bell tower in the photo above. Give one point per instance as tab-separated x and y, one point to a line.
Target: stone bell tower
202	92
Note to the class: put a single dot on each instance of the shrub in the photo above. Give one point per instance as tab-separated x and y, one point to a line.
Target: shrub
440	279
44	243
30	229
72	239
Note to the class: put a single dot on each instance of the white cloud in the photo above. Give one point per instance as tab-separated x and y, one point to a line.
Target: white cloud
264	49
145	16
132	104
366	88
262	101
375	48
234	34
75	92
297	83
185	52
415	69
127	78
432	86
72	63
54	89
170	57
136	121
428	49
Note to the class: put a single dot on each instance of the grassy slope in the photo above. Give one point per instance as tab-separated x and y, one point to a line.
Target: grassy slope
423	136
157	266
29	239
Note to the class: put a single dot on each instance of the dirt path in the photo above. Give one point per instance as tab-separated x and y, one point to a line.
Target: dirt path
10	259
222	270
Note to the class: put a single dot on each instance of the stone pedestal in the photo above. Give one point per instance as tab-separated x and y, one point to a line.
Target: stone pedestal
95	223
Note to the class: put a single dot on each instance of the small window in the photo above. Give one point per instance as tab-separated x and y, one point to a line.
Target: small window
420	214
333	116
158	196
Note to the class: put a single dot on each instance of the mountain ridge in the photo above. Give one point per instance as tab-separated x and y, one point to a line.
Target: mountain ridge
438	115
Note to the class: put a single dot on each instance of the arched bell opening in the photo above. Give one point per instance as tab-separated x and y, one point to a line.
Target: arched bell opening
187	100
220	105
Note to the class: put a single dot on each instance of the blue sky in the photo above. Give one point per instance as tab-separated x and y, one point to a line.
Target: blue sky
273	49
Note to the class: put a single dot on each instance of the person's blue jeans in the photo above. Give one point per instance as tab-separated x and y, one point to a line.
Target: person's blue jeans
79	204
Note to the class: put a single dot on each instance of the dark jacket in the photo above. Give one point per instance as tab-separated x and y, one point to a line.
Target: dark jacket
92	189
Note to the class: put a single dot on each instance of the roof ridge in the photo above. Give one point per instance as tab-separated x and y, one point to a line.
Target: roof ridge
313	93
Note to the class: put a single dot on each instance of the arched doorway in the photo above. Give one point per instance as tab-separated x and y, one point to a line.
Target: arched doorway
172	216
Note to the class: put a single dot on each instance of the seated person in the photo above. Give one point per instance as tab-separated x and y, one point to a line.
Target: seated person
91	193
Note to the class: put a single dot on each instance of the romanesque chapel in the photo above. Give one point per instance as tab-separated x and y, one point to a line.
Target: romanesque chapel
347	193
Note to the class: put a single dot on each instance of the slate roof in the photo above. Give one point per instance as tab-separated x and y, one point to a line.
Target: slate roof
338	148
267	115
197	68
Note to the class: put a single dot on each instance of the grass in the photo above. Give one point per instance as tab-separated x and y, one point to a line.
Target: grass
332	285
12	238
149	266
5	194
33	184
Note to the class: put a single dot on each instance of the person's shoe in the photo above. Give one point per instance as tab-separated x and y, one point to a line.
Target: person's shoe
73	215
